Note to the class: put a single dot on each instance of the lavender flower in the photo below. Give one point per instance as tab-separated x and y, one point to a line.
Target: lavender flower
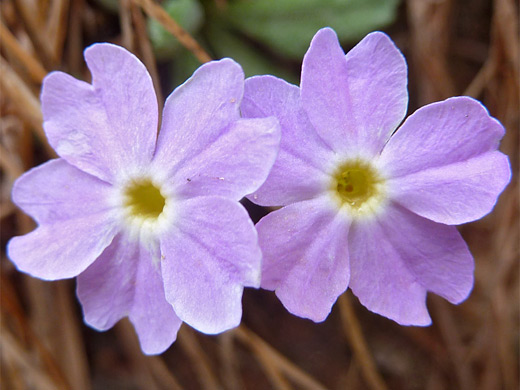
150	225
366	207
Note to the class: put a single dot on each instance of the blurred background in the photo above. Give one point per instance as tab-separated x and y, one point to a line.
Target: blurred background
453	47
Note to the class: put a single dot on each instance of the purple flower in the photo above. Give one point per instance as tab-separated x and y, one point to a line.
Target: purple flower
363	206
149	224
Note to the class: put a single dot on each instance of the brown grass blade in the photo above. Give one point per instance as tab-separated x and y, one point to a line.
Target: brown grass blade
199	359
24	101
296	374
56	27
40	41
158	13
33	66
147	51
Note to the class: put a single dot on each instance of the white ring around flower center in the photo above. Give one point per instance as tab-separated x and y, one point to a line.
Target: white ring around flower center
146	207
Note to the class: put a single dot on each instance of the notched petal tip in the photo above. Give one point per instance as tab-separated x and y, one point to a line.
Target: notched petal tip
104	127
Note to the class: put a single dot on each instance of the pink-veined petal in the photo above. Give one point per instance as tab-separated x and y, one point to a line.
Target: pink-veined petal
235	165
355	101
305	256
208	256
301	168
109	126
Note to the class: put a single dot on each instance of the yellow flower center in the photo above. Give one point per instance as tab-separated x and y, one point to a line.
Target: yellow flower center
144	199
357	185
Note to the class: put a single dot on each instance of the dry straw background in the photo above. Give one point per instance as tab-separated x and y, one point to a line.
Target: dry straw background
454	47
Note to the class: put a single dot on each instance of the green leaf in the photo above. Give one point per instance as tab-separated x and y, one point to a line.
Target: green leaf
226	44
287	26
188	13
183	64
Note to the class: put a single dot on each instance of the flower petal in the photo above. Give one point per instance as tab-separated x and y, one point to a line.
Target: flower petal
198	111
126	281
153	317
354	102
377	82
208	256
301	168
395	260
455	193
106	288
235	165
381	280
324	90
441	134
435	253
65	248
306	258
57	190
109	126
